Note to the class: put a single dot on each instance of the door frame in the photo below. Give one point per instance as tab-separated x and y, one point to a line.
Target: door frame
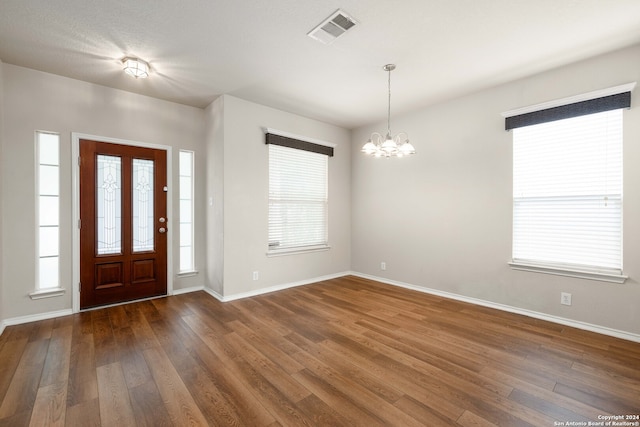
75	182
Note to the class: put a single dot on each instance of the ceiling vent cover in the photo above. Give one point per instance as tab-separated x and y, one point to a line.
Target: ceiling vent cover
332	27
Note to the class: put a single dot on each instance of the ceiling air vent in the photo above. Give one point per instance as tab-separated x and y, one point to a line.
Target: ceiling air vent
332	27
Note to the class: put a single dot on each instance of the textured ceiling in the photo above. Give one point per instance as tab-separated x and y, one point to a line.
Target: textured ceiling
258	49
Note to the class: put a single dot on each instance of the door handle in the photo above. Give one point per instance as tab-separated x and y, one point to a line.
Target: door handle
162	230
161	219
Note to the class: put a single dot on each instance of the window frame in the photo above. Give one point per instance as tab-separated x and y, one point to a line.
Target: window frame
192	269
296	142
607	99
56	289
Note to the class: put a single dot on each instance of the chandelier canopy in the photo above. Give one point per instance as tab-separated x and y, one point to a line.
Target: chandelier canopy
390	146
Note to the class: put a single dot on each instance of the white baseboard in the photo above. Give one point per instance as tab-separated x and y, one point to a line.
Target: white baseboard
214	294
187	290
503	307
530	313
33	318
275	288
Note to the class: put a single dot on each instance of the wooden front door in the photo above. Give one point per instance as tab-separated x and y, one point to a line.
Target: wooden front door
123	223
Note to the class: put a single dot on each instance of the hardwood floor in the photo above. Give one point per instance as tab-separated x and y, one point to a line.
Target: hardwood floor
344	352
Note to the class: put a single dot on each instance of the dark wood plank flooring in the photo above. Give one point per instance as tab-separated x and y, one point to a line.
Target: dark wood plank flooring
345	352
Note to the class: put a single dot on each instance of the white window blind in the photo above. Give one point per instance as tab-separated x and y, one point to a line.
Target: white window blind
567	192
297	198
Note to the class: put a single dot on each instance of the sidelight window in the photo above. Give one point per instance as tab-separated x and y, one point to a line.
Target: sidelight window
187	261
48	171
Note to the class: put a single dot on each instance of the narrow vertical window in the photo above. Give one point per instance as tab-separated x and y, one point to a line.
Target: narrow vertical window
187	262
48	155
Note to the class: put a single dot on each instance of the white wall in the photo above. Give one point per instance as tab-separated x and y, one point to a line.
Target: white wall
2	282
442	218
214	196
245	195
35	100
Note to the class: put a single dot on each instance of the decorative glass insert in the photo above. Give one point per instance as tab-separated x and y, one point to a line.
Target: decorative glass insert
109	205
143	225
187	262
48	149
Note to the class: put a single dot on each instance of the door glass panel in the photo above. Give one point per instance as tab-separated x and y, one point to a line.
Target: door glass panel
143	226
109	205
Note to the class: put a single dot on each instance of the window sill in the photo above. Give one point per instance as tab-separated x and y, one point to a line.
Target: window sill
601	276
47	293
294	251
187	273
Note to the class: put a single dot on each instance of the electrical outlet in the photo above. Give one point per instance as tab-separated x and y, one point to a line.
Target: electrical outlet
256	275
383	265
565	298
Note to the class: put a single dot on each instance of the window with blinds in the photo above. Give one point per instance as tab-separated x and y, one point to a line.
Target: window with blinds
298	202
567	192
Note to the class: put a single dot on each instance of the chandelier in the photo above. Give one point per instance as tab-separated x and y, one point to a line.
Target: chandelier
391	146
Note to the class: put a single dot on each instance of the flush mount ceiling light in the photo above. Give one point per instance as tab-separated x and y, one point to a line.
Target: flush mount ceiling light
135	67
391	146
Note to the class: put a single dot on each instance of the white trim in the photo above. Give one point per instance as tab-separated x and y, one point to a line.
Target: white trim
628	87
187	273
275	288
35	317
300	137
187	290
297	250
214	294
517	310
75	192
569	272
47	293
